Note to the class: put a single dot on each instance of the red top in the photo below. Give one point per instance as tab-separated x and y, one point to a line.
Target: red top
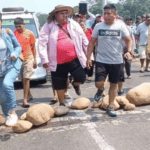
65	47
88	33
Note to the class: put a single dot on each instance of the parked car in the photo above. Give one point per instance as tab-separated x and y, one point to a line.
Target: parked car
31	23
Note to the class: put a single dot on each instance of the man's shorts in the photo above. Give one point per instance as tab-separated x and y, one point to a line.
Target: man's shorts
60	76
143	52
112	70
26	69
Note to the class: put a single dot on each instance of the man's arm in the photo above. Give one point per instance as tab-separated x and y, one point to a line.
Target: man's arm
90	50
34	55
128	43
136	39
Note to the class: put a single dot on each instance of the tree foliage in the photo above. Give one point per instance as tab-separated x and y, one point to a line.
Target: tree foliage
42	19
133	8
125	8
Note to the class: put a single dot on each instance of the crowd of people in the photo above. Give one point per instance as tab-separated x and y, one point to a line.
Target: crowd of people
69	48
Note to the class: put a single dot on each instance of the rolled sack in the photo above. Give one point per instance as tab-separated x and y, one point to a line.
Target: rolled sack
23	116
123	101
22	126
105	103
81	103
40	114
139	95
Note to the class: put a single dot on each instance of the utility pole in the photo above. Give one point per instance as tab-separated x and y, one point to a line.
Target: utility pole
104	3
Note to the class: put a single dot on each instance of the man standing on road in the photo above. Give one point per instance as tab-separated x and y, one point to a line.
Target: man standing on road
108	35
142	38
27	40
62	49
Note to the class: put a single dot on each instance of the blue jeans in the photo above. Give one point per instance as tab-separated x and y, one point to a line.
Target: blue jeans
7	92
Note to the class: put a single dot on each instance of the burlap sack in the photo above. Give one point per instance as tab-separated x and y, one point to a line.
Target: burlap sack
60	111
2	119
139	95
123	101
81	103
40	114
22	126
23	116
105	103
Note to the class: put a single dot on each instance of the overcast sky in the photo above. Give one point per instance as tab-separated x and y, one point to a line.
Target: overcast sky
44	6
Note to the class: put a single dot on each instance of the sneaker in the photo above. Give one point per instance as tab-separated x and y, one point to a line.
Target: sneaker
142	69
89	79
147	69
129	77
11	120
111	112
99	95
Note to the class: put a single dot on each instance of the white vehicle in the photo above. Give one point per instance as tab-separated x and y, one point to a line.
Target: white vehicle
31	23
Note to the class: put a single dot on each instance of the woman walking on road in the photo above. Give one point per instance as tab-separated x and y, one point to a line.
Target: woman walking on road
10	65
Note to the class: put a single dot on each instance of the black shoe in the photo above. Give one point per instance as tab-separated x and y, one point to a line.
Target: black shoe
52	102
121	93
99	95
77	89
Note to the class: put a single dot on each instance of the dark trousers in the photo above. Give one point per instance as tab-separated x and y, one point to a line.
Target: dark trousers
89	72
127	66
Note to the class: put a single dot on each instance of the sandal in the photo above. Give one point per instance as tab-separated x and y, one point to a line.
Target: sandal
67	96
25	105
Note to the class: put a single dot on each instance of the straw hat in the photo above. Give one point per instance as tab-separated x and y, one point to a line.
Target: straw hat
57	9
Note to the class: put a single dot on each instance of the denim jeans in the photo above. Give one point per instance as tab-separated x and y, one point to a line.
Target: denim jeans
7	92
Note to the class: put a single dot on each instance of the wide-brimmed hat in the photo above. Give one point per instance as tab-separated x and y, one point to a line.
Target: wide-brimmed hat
57	9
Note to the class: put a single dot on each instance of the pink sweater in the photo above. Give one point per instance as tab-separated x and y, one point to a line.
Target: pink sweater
47	44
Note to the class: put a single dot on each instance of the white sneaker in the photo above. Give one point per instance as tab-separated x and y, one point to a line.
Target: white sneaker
11	120
142	70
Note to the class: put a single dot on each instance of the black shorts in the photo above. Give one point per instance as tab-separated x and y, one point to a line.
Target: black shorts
102	70
60	76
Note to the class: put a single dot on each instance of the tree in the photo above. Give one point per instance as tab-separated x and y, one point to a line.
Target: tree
42	18
132	8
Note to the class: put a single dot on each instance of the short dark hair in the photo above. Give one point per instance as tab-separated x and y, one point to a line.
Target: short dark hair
128	18
18	20
0	16
110	6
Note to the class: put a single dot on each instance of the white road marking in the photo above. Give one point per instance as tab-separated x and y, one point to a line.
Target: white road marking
103	145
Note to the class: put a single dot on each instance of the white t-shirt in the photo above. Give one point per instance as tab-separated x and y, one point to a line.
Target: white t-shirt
142	32
109	37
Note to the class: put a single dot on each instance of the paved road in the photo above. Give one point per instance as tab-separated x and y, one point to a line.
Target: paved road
89	129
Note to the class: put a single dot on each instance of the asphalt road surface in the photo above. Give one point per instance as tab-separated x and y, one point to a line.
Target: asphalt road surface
89	129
